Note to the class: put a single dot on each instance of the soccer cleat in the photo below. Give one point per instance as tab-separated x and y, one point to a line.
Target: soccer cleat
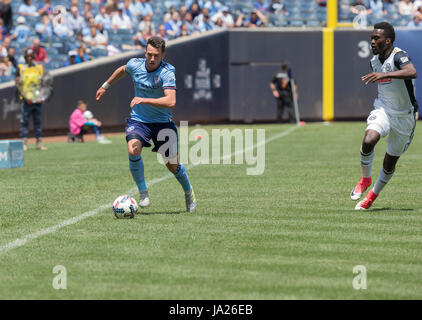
40	146
360	188
144	202
103	140
190	201
367	202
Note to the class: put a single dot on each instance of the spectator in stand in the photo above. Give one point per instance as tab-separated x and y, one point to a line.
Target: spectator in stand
140	40
101	30
90	22
200	16
22	31
162	32
103	17
219	24
419	13
416	5
45	8
6	67
61	29
206	24
277	7
256	19
6	14
194	10
225	15
3	30
188	3
168	14
182	11
129	10
184	31
72	57
28	9
376	7
173	25
12	58
405	7
187	20
120	20
75	21
143	9
261	6
147	26
82	56
95	39
358	7
40	55
415	23
87	9
44	28
213	6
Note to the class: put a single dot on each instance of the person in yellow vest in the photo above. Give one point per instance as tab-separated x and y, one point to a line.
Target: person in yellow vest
28	81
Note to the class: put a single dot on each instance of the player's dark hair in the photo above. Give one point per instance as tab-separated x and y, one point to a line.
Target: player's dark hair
388	30
157	43
80	102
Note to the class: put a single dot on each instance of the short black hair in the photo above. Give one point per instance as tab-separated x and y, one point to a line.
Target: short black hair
157	43
388	30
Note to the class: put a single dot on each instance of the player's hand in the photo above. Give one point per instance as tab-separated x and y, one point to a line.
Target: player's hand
373	77
100	93
276	94
136	100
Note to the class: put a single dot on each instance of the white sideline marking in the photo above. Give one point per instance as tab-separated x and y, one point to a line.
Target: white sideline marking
22	241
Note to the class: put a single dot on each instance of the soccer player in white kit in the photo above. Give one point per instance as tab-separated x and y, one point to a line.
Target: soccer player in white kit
394	111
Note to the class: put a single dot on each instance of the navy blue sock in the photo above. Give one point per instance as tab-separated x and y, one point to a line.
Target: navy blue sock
136	166
182	176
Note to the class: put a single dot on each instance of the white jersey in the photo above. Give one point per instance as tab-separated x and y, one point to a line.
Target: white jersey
395	96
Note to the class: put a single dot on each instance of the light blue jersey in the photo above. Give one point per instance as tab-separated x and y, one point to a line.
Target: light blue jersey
151	85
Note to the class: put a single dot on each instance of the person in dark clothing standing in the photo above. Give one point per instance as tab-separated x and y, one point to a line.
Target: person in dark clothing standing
281	87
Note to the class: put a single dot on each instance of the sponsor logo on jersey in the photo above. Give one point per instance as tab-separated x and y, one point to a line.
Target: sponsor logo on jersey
404	59
371	118
130	128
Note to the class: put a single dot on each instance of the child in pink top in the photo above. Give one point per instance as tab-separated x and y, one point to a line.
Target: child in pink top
77	123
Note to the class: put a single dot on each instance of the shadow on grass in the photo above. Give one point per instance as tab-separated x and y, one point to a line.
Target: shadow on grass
162	212
389	209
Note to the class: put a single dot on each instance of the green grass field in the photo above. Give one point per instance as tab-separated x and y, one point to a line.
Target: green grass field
290	233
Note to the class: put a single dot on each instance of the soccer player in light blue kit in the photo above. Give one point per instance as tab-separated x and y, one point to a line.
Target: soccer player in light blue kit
151	116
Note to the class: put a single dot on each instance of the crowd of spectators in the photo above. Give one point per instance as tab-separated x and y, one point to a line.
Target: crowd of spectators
77	31
408	11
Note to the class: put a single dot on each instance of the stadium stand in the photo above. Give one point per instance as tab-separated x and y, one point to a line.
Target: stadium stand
59	38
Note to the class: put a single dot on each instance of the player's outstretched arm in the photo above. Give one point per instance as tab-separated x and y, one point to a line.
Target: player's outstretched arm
168	101
118	74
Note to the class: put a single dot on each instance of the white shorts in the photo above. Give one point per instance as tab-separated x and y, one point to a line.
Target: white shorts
400	129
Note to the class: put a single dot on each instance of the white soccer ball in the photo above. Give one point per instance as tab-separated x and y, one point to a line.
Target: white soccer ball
88	115
125	207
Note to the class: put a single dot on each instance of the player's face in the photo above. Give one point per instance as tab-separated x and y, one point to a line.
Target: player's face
154	57
379	43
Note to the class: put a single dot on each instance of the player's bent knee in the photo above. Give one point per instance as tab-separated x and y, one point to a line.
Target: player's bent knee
172	166
134	147
371	138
